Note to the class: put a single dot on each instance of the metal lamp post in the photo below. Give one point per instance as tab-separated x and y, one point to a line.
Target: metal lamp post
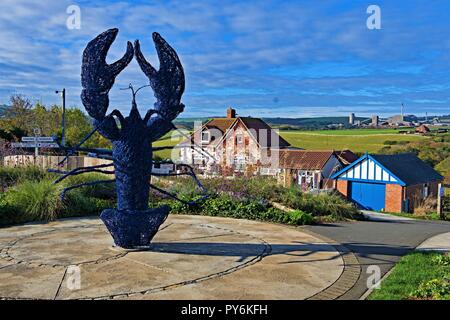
63	120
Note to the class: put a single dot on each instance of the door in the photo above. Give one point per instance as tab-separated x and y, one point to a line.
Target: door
369	196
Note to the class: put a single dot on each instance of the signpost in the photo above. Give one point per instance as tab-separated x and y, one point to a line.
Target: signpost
36	143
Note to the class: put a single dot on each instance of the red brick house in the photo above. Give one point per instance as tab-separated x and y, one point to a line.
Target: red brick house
233	142
391	183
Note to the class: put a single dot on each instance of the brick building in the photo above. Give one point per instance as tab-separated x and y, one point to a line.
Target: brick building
391	183
234	142
311	169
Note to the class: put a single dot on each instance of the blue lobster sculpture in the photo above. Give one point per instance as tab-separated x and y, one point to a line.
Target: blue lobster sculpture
132	224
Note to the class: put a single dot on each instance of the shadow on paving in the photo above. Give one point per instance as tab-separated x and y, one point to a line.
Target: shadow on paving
242	250
245	250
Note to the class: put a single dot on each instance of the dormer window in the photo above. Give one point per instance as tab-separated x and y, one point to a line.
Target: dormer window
205	137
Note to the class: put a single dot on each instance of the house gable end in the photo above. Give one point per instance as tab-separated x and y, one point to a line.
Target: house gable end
368	169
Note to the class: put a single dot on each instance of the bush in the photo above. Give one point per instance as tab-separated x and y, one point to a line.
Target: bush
11	176
227	206
261	190
34	200
40	199
323	204
298	217
390	142
101	191
77	204
441	259
436	289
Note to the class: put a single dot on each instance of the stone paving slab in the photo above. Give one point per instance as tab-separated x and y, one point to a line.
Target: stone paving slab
192	257
440	242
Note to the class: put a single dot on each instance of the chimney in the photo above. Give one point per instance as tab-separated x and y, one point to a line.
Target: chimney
231	113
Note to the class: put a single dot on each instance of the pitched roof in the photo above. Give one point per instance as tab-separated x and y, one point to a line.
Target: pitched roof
408	168
255	125
223	124
346	156
304	159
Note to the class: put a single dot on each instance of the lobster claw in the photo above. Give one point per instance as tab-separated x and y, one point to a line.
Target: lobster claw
168	82
97	77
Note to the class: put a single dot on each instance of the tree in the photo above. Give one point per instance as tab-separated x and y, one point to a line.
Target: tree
20	113
21	117
17	118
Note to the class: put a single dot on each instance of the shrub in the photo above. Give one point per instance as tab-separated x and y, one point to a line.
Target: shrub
298	217
77	204
436	289
262	190
227	206
390	142
40	199
11	176
426	206
441	259
35	200
8	214
101	191
323	204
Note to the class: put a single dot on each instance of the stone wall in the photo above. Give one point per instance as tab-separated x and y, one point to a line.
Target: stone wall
51	162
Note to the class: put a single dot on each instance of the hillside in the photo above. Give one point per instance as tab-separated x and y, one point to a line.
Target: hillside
279	123
3	108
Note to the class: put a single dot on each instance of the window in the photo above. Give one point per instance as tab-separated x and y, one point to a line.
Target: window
426	190
307	180
205	136
239	139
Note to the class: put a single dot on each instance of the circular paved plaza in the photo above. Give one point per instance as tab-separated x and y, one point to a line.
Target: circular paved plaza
192	257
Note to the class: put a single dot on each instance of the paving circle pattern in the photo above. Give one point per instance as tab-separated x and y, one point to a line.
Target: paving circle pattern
191	257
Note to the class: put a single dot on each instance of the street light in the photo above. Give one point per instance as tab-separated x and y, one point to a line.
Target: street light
63	121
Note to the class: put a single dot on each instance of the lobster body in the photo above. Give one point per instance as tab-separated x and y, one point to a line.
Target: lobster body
132	224
133	164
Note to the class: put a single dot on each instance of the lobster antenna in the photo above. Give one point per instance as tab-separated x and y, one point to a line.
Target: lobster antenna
134	92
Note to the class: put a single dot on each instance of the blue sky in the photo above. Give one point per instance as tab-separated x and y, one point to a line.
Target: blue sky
266	58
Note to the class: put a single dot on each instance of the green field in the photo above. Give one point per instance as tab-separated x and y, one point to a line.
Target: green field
357	140
170	139
361	140
348	132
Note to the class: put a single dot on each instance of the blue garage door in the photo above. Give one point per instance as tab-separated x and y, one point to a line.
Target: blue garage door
370	196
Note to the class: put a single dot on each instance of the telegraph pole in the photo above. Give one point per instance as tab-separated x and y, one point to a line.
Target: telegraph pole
63	120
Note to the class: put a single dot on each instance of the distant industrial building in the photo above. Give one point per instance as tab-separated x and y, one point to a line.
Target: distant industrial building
351	119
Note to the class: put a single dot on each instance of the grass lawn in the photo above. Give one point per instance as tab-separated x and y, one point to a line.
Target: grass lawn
356	140
428	216
413	270
170	139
